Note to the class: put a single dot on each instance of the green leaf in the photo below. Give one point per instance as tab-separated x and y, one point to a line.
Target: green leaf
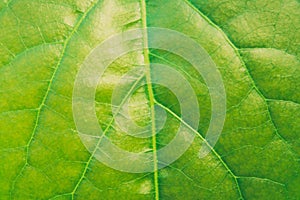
255	45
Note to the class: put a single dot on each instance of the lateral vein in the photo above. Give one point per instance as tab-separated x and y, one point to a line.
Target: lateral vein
41	106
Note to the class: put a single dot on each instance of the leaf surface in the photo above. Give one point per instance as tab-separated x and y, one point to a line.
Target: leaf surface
255	45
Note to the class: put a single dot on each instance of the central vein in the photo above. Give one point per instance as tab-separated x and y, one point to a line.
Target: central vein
151	96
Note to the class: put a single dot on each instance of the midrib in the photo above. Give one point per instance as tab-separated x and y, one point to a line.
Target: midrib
150	93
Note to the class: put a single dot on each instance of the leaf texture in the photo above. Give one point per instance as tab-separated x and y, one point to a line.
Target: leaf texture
255	45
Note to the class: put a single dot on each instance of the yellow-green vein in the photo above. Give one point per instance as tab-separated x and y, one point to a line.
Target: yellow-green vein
151	95
41	106
104	132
